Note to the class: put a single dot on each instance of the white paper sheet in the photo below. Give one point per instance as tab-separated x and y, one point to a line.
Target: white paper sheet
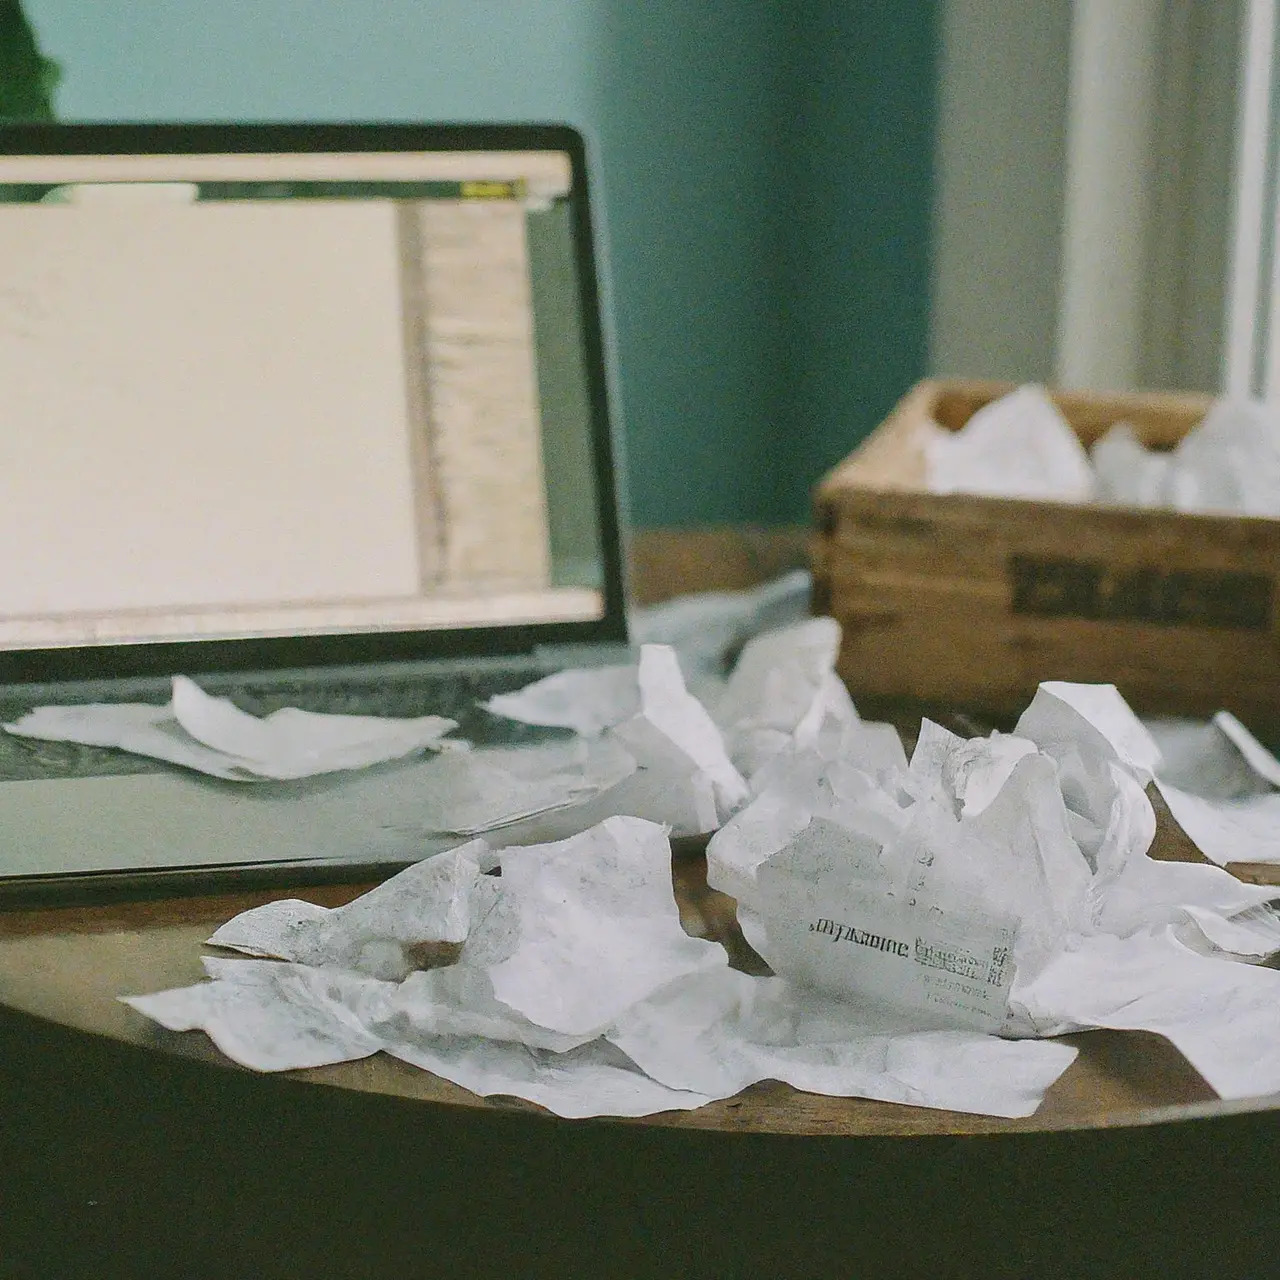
213	736
1222	1016
784	694
588	701
478	792
269	1016
721	1031
674	734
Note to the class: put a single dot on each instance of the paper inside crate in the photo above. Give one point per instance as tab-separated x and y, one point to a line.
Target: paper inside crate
1021	445
968	600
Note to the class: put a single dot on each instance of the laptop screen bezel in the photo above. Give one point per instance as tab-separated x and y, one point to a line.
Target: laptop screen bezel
259	654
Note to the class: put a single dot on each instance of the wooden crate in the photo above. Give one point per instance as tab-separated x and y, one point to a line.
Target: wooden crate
967	603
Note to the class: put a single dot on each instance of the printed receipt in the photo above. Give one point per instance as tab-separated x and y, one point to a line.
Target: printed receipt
898	946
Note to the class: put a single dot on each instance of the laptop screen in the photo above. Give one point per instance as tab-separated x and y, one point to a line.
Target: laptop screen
269	394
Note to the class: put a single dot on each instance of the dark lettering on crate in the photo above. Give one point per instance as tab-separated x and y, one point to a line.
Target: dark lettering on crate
1061	588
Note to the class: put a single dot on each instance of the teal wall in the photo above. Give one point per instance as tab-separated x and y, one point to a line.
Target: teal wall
765	167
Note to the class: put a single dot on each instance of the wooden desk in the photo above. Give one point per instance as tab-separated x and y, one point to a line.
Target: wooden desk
68	965
127	1149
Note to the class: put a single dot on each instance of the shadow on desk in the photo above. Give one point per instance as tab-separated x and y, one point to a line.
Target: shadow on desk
119	1162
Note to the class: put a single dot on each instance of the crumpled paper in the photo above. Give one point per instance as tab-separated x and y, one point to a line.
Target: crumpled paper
674	734
213	736
930	922
383	933
784	695
1230	463
1129	474
1018	446
666	762
955	892
706	630
575	988
696	765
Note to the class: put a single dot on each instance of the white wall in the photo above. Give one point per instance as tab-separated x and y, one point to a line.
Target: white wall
1001	157
1084	173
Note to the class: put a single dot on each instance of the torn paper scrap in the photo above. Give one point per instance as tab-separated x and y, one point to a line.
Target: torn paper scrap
269	1016
214	736
795	791
674	733
386	933
1255	755
1226	831
459	1001
586	927
784	694
1220	784
975	771
136	727
1102	708
1198	757
1089	732
1221	1016
291	743
1251	936
595	1079
588	701
1019	446
1133	891
721	1031
485	791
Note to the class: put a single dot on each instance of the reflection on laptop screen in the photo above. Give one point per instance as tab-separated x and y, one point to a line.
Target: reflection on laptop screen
267	395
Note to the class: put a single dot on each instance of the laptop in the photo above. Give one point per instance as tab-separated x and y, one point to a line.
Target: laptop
314	414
